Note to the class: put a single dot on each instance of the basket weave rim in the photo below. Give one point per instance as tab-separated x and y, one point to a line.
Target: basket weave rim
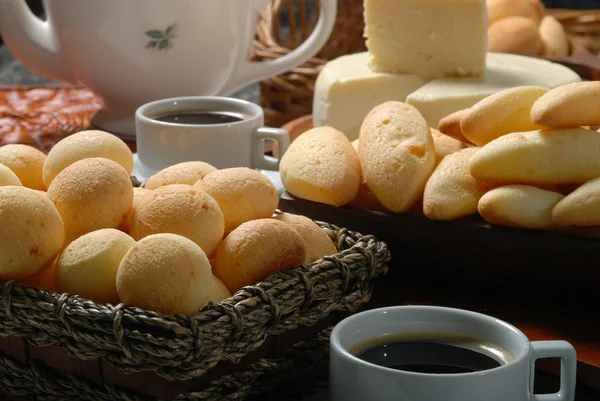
184	347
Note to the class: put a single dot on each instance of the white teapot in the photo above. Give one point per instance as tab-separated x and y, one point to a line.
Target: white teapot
131	52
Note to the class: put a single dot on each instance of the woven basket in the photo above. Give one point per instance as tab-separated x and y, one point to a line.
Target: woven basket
62	347
581	26
290	95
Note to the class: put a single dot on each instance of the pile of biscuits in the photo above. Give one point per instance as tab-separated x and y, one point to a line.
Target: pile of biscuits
523	157
521	27
72	222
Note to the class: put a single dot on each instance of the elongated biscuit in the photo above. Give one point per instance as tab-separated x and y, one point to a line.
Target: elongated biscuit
444	145
502	113
570	105
451	191
519	206
396	153
580	208
450	125
560	156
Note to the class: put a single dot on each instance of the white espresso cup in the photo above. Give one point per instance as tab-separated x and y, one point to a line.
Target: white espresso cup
241	143
354	379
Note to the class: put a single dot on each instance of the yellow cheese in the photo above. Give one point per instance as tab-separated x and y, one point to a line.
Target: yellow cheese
442	97
347	90
432	38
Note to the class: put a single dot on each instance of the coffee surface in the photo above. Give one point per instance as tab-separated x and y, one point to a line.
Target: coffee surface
432	354
202	117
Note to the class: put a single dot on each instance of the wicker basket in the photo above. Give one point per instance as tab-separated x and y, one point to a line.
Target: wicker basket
290	95
61	347
582	26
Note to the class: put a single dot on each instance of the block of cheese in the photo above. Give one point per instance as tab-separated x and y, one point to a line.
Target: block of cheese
347	90
431	38
442	97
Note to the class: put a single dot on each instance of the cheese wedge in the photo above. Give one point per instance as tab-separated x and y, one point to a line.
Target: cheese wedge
440	98
347	90
431	38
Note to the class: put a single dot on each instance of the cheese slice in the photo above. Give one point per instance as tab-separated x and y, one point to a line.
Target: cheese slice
442	97
431	38
346	90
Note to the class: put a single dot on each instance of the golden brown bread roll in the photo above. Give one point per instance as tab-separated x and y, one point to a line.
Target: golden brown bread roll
451	192
167	273
561	156
43	279
554	38
84	145
255	250
187	173
444	145
570	105
450	125
218	291
321	166
502	113
581	208
140	195
31	233
243	194
8	178
91	194
317	244
26	162
500	9
396	153
520	206
179	209
517	35
88	266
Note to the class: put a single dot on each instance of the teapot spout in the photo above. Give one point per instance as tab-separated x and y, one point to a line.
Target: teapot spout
32	41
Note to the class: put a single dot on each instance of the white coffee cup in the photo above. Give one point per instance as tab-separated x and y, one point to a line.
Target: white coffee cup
131	52
353	379
236	144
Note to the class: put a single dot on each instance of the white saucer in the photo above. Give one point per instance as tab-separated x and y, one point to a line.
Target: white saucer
142	172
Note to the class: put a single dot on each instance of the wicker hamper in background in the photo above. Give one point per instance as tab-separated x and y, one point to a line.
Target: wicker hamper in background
289	96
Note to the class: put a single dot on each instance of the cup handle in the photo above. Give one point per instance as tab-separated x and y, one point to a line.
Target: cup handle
259	161
568	371
251	72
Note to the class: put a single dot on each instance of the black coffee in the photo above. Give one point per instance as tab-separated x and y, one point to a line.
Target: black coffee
202	117
428	354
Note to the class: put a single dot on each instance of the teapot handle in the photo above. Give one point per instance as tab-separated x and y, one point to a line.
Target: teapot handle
251	72
32	41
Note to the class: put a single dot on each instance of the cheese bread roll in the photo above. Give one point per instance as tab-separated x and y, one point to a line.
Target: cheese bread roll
396	153
555	42
26	162
187	173
516	35
8	178
84	145
321	166
450	125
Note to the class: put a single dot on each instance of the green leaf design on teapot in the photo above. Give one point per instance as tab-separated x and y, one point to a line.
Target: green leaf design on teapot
161	40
